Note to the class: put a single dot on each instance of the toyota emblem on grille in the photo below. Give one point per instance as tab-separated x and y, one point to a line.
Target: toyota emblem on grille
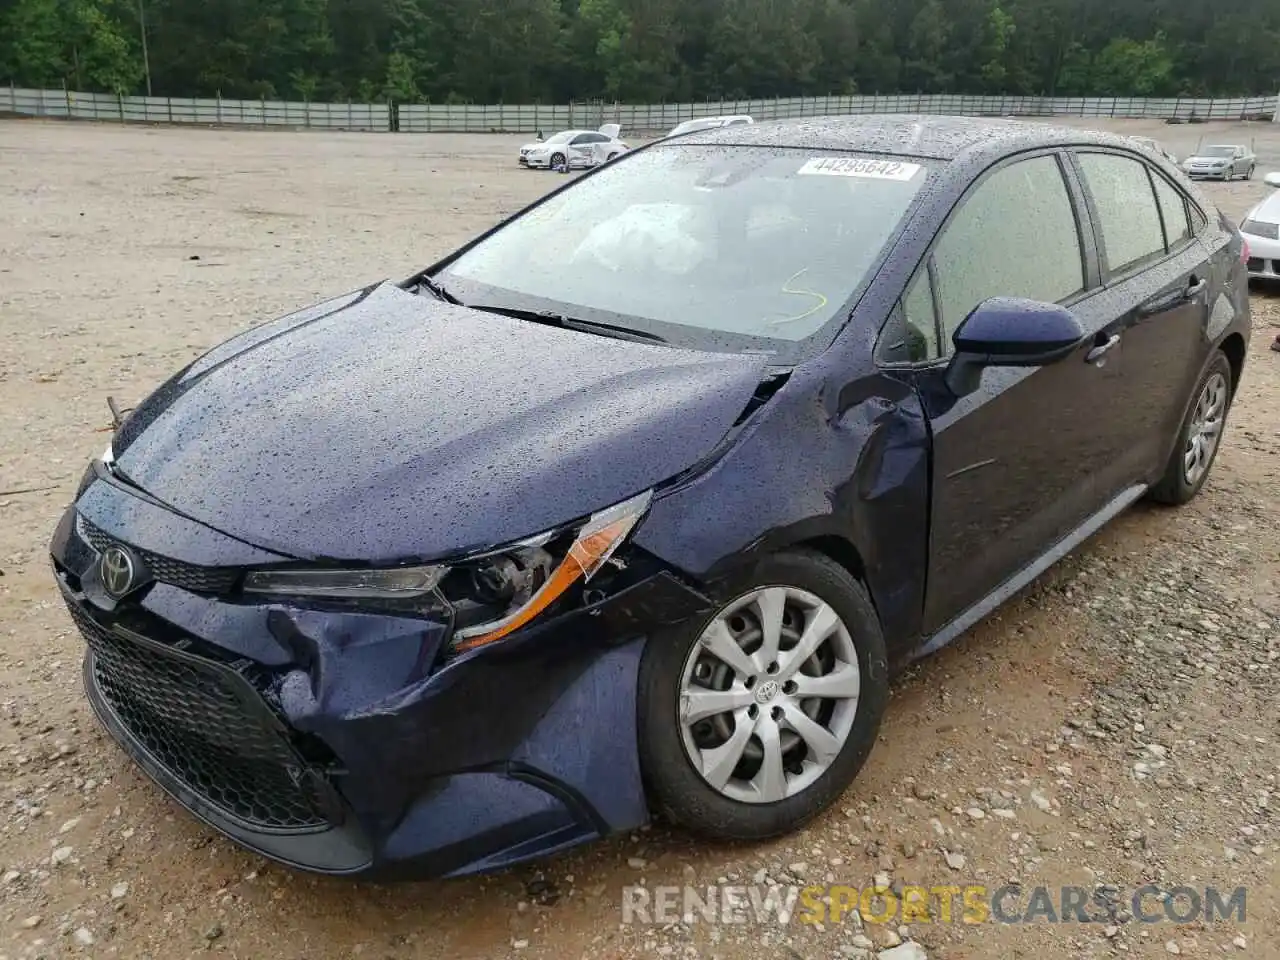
118	571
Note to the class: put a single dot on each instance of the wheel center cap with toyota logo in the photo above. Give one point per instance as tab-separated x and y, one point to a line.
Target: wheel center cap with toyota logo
119	571
767	691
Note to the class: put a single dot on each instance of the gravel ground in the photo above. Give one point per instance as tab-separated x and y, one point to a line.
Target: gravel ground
1114	725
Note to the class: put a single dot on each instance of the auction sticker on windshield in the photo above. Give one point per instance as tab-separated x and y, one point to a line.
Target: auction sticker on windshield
854	167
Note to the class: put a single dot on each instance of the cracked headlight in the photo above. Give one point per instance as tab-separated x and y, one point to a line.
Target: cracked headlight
526	580
490	595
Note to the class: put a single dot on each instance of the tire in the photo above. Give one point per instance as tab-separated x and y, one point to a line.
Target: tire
678	790
557	159
1248	174
1178	484
610	158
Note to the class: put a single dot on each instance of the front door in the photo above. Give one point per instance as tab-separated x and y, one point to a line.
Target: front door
1032	453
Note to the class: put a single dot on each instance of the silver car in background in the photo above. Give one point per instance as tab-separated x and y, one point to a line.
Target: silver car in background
1222	161
1261	230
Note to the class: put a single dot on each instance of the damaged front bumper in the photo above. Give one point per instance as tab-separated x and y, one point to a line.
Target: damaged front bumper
348	742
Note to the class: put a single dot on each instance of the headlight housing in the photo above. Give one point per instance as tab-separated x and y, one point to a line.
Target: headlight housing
489	595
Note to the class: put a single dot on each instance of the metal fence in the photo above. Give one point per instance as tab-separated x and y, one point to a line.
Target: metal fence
654	118
67	104
634	118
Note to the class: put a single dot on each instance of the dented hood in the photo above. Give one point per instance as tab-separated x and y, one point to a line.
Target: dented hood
386	426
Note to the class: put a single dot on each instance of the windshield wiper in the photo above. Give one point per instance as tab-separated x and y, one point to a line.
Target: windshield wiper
553	319
437	291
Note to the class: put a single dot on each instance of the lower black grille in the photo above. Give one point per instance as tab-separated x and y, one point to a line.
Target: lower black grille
165	569
207	727
1256	264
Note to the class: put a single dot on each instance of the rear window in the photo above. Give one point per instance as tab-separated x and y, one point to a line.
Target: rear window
712	247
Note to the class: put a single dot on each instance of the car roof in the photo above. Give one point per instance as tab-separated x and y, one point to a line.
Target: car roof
926	137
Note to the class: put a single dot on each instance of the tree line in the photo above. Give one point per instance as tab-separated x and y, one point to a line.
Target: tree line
522	51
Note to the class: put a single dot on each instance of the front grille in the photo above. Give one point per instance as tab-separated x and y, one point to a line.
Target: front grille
188	576
207	726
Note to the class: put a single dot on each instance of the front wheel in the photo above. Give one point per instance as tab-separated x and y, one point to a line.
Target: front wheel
755	720
1199	437
557	160
1248	174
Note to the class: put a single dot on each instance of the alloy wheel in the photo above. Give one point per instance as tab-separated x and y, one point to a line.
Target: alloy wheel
1205	430
768	695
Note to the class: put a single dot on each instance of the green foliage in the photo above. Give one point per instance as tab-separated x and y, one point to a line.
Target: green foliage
642	50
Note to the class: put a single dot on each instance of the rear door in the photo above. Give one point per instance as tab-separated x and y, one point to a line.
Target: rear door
1158	276
582	149
1028	457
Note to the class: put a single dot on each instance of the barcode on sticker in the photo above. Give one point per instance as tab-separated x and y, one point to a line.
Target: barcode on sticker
854	167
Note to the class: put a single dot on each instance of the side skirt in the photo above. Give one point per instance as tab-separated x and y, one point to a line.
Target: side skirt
1024	576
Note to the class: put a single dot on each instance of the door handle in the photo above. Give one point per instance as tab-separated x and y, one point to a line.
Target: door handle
1099	352
1195	288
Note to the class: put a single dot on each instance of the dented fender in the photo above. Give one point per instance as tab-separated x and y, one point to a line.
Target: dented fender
860	491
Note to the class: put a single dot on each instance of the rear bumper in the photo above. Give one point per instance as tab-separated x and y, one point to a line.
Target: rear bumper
391	762
1264	258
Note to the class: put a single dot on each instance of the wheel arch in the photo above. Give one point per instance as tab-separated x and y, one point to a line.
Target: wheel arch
1233	346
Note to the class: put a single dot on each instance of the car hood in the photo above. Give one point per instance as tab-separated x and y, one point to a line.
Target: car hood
1207	160
386	426
1268	211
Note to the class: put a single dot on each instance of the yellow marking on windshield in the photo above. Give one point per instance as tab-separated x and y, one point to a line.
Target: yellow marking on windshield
786	288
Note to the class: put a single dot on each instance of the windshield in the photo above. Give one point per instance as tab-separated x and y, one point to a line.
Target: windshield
709	247
1218	152
560	137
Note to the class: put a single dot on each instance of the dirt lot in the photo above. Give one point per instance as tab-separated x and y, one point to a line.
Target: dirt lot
1115	725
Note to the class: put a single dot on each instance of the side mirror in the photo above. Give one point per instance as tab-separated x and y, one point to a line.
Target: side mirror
1272	179
1010	332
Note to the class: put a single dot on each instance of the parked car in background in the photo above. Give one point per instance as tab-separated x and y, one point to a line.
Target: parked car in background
574	149
1224	161
1261	229
1155	146
637	501
708	123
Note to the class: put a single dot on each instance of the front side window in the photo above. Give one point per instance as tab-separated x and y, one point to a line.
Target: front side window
1126	205
1014	236
744	248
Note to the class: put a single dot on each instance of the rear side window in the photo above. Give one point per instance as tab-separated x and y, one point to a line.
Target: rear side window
1198	220
1014	236
1173	207
1126	205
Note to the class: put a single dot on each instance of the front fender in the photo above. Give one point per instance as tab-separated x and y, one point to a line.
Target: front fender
842	470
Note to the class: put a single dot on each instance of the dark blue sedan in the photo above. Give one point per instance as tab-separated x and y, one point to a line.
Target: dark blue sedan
636	502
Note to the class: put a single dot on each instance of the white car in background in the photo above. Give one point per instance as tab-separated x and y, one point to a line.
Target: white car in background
708	123
1261	229
1155	146
574	149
